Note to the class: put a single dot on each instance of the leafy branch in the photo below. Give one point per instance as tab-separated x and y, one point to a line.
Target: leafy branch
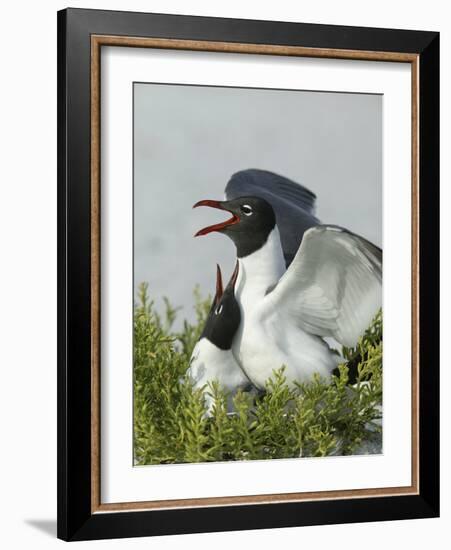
318	418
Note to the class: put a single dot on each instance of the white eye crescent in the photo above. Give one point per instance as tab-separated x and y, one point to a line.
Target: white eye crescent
246	210
218	309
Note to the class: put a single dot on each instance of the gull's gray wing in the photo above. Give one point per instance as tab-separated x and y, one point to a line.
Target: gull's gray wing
332	288
294	205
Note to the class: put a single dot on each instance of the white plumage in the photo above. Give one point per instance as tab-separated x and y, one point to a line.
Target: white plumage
209	363
331	289
333	286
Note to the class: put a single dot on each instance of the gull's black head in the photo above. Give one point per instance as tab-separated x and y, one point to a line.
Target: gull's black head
252	221
225	316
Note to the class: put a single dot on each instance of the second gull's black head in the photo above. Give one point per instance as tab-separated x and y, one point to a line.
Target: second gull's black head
225	315
252	221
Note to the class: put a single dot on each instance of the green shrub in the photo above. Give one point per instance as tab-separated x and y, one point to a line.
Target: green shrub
318	418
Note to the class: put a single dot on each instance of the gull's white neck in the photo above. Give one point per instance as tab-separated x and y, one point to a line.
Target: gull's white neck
260	271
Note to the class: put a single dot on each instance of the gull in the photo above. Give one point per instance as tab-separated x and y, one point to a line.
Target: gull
212	357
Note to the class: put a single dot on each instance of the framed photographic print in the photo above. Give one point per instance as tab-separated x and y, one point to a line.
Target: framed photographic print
268	358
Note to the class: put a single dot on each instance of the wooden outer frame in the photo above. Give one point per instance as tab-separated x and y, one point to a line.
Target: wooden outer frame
97	41
88	521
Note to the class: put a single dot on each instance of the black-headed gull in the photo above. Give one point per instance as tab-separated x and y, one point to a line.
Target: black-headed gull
212	357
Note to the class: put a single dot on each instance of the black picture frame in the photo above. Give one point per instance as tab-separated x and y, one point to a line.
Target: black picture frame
76	521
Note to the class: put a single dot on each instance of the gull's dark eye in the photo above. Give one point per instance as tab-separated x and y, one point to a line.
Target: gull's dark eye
246	210
218	310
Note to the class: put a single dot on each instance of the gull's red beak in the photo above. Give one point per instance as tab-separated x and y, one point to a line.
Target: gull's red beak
218	226
219	287
235	275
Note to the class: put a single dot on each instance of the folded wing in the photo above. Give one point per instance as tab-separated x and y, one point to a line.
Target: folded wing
293	204
333	287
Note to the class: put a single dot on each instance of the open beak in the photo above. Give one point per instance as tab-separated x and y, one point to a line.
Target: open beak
218	226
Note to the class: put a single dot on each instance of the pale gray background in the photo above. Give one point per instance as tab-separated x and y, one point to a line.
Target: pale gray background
188	140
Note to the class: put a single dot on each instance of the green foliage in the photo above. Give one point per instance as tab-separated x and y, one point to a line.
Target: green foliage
318	418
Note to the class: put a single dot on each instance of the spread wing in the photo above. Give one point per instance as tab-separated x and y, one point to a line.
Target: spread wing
333	287
293	204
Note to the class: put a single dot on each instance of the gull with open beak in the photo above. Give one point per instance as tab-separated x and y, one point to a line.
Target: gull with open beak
331	288
212	357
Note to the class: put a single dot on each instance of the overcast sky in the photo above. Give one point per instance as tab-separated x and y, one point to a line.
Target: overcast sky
188	141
